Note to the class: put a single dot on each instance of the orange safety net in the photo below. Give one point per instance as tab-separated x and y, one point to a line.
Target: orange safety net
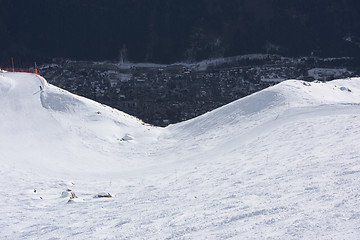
27	70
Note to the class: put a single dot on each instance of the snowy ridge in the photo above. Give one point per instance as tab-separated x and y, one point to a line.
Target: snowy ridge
38	119
283	163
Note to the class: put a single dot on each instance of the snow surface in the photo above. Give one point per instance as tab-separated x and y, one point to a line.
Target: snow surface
283	163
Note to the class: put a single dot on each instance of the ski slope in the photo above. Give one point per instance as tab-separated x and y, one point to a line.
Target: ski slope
283	163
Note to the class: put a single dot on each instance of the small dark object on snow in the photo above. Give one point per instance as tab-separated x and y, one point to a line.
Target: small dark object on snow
104	195
73	195
35	190
345	89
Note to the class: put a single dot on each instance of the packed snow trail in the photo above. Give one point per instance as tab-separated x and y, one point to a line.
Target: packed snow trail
283	163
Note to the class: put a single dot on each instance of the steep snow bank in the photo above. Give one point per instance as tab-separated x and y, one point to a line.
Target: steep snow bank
62	130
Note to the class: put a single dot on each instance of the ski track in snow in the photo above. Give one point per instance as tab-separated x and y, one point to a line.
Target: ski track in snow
281	164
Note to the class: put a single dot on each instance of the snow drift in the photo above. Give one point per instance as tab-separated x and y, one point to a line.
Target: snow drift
283	163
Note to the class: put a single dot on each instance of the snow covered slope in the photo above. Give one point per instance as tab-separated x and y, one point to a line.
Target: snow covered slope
60	130
283	163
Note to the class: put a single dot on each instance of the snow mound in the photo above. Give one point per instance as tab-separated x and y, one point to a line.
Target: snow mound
269	104
38	116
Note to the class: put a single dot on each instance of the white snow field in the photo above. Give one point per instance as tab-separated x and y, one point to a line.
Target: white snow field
283	163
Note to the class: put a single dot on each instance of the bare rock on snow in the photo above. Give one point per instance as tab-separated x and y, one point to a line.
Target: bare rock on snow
345	89
68	193
103	195
127	137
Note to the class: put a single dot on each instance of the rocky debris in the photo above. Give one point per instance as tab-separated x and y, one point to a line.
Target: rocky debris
103	195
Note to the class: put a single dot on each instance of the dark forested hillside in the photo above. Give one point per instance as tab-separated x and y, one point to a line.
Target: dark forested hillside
166	31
